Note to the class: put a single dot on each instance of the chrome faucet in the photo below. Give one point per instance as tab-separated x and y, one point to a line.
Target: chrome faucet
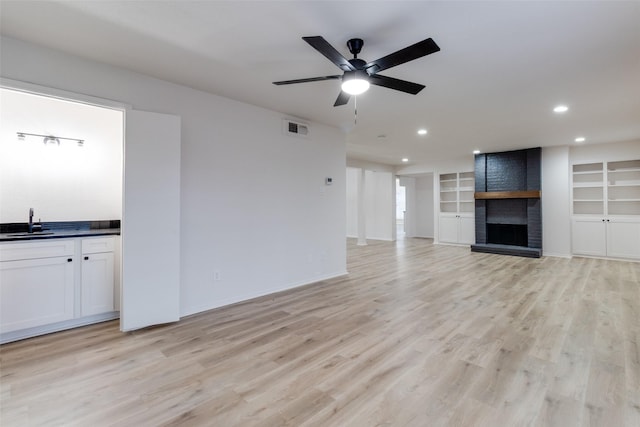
30	220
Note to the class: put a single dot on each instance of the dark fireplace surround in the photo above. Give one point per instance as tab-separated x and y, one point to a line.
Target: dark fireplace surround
507	203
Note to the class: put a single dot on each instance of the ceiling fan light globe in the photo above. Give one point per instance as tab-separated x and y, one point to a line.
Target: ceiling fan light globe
355	86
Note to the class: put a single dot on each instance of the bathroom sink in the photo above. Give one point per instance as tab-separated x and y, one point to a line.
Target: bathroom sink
35	233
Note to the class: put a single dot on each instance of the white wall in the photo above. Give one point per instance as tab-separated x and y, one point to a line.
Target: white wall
61	182
379	200
380	205
604	152
352	201
424	206
556	221
409	185
254	204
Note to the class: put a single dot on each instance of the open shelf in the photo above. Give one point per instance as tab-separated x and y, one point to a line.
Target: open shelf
456	192
611	188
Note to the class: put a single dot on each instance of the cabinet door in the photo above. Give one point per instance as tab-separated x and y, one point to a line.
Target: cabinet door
97	283
623	239
35	292
589	237
467	230
448	230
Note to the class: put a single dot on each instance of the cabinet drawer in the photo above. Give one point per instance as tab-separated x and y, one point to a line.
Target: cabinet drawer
15	251
98	245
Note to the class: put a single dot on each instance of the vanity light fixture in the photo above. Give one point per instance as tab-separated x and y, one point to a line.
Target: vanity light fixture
580	139
422	131
476	151
46	139
561	109
405	160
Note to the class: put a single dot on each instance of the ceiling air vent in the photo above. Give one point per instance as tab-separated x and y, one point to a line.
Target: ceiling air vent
295	128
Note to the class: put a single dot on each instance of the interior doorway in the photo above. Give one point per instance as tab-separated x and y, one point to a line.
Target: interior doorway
149	173
401	210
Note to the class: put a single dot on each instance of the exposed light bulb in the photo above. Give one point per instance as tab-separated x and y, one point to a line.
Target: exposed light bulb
561	109
405	160
580	139
422	131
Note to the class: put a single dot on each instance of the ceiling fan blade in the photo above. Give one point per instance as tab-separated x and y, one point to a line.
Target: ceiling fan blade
415	51
397	84
342	99
311	79
323	46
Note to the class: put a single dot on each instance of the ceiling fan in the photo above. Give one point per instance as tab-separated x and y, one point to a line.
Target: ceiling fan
358	74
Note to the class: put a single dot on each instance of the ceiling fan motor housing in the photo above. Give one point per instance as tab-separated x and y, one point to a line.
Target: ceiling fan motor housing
357	63
355	46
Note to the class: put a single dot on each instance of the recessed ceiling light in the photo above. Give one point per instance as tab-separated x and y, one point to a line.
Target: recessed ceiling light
579	139
405	160
476	151
561	109
422	131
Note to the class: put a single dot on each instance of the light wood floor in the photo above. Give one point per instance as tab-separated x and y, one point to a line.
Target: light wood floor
416	335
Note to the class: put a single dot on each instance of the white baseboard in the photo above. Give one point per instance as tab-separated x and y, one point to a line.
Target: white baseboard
7	337
246	297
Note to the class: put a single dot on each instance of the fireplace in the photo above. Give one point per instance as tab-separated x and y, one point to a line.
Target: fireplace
507	203
507	234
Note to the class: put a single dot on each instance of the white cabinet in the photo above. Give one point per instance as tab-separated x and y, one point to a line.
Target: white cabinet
36	284
457	207
55	284
456	228
613	237
98	282
623	238
467	229
589	236
606	209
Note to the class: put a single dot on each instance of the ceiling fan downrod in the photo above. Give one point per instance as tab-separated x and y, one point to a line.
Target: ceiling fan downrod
355	46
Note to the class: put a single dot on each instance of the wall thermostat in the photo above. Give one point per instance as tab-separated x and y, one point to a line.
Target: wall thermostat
328	181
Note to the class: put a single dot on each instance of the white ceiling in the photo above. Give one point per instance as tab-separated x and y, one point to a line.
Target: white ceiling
502	68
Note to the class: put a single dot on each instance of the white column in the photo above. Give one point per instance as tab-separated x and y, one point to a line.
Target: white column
362	216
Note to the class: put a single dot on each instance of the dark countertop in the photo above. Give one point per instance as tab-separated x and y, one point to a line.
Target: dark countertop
12	232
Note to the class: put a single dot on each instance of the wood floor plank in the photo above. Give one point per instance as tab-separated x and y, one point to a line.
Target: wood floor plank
416	335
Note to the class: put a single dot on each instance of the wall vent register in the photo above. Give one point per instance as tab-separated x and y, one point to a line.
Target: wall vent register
295	128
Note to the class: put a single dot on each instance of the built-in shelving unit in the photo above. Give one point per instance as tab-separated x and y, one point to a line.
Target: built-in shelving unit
588	189
456	222
611	188
449	192
456	192
466	188
606	209
623	187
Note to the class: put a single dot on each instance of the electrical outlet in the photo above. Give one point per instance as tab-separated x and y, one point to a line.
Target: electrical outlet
216	276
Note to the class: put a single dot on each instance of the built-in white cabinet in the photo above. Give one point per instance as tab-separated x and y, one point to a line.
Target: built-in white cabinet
456	228
36	284
98	284
62	282
457	207
606	209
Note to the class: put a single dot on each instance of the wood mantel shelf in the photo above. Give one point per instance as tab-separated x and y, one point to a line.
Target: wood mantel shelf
533	194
